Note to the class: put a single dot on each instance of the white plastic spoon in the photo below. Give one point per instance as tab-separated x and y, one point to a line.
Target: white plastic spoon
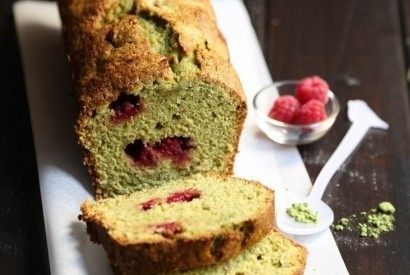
363	118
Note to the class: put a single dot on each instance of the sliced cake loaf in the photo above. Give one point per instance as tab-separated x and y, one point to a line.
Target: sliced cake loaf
182	224
273	255
158	96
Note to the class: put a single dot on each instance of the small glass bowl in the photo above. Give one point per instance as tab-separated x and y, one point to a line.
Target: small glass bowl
285	133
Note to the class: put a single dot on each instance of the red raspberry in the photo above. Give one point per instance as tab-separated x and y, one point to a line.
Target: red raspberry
312	88
310	112
184	196
149	204
284	108
124	107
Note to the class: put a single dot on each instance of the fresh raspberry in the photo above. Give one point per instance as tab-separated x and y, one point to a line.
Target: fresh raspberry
312	88
310	112
284	108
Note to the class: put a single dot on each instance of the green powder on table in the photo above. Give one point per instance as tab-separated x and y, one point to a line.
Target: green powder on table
386	207
301	212
370	224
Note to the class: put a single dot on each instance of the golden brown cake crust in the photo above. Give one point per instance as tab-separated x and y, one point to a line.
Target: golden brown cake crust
109	57
180	253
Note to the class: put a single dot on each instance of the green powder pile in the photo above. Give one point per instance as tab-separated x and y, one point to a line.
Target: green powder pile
370	224
301	212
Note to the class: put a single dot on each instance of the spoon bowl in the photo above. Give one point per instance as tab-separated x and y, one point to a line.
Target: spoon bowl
363	118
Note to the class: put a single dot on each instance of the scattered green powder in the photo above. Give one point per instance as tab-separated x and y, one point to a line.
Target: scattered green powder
370	224
343	222
301	212
387	207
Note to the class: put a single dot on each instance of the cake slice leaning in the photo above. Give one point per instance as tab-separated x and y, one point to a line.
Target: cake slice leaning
274	254
183	224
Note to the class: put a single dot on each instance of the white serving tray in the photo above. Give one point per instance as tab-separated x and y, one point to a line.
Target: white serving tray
64	182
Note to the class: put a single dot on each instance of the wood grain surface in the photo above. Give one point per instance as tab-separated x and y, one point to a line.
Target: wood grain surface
360	47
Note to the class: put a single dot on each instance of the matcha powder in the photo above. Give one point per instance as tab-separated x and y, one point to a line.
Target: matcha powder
370	224
301	212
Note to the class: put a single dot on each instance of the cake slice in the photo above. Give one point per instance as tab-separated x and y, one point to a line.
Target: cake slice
158	97
274	254
182	224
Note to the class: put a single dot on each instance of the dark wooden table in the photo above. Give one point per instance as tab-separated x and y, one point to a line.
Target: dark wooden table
360	47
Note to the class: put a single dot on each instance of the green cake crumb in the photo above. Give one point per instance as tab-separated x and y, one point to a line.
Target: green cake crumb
372	223
301	212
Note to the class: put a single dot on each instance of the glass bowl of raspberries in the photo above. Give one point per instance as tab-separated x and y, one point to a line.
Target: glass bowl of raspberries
296	112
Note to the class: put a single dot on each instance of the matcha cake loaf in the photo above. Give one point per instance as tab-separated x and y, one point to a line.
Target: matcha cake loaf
159	99
273	255
182	224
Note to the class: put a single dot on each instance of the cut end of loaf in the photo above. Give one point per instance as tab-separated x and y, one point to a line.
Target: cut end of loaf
161	133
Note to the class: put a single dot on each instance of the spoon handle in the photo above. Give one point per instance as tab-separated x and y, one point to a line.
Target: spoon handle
352	138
